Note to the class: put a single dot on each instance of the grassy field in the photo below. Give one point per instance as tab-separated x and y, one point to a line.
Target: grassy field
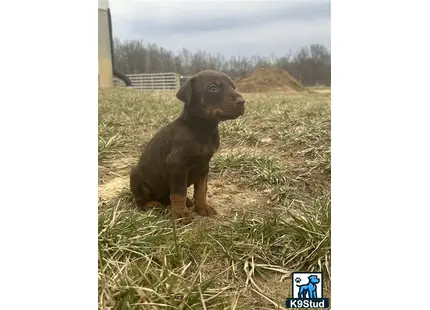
269	182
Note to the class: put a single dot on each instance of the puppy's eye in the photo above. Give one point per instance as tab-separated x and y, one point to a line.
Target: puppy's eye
213	88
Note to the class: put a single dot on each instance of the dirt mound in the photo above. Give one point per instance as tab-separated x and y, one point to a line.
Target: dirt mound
268	79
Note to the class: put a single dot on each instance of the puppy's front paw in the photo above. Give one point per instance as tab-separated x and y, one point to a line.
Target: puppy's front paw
205	210
181	213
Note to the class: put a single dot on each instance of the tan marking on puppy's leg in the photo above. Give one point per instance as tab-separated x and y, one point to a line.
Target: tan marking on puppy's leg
179	208
200	192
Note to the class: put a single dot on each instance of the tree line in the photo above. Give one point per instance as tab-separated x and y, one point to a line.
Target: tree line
311	65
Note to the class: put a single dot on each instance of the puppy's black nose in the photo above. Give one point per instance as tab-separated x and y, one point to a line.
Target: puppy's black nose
240	101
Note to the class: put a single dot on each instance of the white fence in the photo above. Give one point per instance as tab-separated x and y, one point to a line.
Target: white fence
151	81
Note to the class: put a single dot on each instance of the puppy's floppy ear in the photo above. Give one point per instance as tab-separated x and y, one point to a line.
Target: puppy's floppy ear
185	92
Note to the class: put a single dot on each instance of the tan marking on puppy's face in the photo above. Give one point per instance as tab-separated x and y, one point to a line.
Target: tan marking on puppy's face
217	96
233	105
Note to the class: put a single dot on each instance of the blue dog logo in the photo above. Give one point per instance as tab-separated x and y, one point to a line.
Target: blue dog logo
309	290
309	295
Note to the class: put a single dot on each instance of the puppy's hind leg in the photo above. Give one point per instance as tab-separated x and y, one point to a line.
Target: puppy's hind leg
141	192
136	183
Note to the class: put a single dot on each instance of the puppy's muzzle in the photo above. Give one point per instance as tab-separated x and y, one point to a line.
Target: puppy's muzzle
240	105
240	101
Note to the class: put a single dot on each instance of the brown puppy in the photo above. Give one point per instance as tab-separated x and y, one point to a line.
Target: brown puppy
179	153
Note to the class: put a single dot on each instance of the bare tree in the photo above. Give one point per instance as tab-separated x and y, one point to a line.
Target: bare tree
310	64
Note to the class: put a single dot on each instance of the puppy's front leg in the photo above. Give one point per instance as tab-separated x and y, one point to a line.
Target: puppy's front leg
200	193
178	198
178	173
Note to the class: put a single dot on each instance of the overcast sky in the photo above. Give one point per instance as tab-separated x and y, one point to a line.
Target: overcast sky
232	28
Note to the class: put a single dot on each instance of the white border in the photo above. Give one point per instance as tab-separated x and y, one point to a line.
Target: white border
48	119
380	153
380	147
